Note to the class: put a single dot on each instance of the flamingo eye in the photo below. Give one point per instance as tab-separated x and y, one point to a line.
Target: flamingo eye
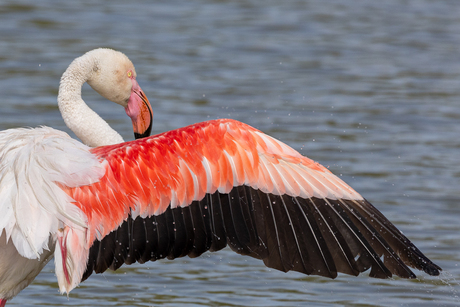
130	74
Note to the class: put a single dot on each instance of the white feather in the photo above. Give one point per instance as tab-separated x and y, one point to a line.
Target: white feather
34	162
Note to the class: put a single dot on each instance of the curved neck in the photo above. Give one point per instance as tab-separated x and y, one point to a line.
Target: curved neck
89	127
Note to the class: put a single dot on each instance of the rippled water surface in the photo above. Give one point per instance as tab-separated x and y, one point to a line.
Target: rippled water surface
370	89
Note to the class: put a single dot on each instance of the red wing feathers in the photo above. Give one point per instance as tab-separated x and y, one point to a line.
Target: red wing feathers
146	176
222	182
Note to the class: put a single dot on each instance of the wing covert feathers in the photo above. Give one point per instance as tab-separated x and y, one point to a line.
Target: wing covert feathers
221	183
172	169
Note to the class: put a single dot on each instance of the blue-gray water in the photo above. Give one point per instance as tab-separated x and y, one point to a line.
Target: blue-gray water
370	89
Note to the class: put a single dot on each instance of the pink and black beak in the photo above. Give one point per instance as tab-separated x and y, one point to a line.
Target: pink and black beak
140	111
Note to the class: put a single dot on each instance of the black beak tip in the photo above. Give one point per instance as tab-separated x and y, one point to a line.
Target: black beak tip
140	136
143	135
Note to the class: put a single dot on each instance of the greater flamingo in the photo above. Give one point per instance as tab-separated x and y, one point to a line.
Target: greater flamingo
179	193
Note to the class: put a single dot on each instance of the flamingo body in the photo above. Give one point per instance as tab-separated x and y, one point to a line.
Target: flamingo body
179	193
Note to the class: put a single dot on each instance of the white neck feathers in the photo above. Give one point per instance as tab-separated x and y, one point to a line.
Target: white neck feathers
84	122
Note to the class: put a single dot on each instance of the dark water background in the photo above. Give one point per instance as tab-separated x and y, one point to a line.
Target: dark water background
370	89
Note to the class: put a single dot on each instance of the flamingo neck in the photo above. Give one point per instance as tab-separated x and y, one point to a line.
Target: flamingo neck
89	127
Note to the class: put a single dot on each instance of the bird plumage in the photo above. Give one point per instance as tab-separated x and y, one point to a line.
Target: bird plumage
273	204
35	164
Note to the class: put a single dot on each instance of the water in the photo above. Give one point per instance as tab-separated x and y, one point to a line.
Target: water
369	89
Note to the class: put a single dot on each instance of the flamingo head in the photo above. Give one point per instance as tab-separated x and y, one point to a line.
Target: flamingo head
114	78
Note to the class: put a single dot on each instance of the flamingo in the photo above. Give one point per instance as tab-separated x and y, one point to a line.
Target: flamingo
102	203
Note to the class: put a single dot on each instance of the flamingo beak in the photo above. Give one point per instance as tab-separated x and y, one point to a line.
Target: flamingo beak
140	111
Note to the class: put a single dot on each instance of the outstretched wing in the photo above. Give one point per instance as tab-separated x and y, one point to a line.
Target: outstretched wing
221	183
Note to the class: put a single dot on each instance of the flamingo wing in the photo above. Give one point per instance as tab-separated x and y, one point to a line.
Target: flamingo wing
221	183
